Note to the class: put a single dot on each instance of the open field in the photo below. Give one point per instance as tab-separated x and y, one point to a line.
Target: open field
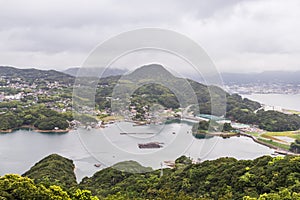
291	134
278	139
112	118
272	142
255	134
292	111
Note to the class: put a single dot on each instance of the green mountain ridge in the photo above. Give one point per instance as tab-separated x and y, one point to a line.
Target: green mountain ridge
34	75
265	177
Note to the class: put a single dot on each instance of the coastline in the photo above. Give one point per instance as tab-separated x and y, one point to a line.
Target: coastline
52	131
228	135
6	131
35	130
277	149
287	102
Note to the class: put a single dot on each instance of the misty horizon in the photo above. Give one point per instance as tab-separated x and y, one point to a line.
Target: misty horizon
62	69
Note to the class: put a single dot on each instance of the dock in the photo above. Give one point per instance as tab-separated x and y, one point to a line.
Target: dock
135	133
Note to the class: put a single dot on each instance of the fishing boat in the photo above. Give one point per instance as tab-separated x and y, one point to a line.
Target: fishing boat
150	145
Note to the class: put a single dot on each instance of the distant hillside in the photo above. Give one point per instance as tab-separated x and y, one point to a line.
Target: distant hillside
151	71
158	86
149	79
33	75
146	85
90	72
268	77
67	76
131	167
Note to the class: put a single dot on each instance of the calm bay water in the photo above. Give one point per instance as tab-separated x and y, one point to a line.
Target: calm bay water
22	149
287	101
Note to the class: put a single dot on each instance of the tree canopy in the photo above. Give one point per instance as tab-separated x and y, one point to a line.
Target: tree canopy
224	178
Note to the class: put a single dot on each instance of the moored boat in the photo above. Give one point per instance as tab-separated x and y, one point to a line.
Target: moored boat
150	145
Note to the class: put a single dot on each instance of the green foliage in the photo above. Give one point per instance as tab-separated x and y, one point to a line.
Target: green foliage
275	144
203	125
242	110
211	125
277	121
295	146
183	160
10	104
267	120
9	121
155	94
83	195
132	167
224	178
9	90
51	123
284	193
53	169
17	187
39	116
235	101
227	127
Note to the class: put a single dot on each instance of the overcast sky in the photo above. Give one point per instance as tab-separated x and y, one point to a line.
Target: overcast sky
239	36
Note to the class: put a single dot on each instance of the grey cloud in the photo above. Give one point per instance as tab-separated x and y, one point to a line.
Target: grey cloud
235	33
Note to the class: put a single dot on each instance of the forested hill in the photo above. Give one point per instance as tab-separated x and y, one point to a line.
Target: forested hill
225	178
54	169
152	92
35	75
